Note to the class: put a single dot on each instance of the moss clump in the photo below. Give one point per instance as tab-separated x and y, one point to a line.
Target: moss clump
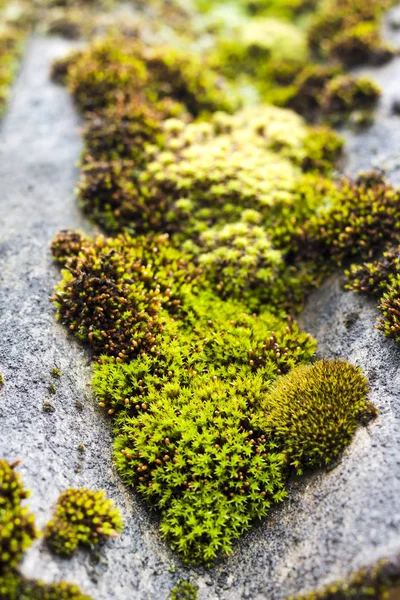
349	31
185	367
381	278
81	517
308	89
196	455
372	583
182	420
15	587
315	410
343	95
375	277
389	306
204	172
17	525
67	244
361	217
184	590
114	294
163	78
259	45
324	93
360	44
17	533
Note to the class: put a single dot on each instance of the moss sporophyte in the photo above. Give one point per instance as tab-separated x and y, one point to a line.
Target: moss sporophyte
224	217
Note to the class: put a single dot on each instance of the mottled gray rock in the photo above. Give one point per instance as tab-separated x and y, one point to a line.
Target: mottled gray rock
332	523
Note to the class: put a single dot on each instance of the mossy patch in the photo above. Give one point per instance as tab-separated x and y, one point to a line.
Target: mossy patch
315	411
229	219
381	279
17	533
84	517
372	583
184	590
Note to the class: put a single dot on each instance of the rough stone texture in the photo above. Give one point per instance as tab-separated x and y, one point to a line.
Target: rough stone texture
331	524
378	146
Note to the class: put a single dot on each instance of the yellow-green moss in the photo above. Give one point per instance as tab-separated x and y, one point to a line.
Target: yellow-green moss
315	410
184	590
17	524
17	533
371	583
84	517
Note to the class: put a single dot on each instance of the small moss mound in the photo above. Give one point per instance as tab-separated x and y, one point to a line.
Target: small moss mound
184	590
17	533
374	277
84	517
315	411
372	583
382	280
348	30
161	77
17	525
67	244
362	216
15	587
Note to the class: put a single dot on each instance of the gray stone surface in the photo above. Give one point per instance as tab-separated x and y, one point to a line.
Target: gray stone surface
331	524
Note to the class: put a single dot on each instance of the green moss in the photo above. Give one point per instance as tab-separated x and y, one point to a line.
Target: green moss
184	590
115	293
323	93
348	30
389	306
84	517
375	277
1	380
207	380
372	583
381	279
17	533
55	372
17	525
171	81
360	44
361	217
315	410
196	456
15	21
15	587
257	46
